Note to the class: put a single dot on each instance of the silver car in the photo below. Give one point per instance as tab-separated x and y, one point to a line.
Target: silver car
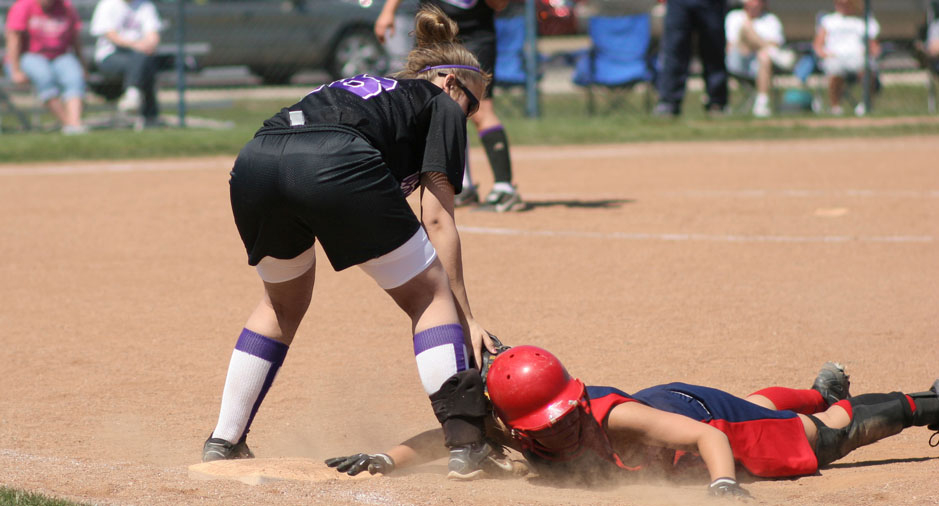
273	38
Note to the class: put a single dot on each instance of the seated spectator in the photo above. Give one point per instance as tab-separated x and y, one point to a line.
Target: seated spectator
128	34
42	47
839	45
754	40
930	47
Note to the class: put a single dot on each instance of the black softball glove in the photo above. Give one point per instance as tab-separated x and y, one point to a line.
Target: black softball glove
355	464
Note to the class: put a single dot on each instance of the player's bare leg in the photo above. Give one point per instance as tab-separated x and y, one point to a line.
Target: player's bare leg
455	389
258	355
503	196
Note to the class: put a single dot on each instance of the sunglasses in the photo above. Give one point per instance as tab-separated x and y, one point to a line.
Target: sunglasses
473	101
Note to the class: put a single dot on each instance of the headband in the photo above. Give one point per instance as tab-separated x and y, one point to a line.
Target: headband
467	67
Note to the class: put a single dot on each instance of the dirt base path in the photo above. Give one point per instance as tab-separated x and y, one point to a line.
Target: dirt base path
737	265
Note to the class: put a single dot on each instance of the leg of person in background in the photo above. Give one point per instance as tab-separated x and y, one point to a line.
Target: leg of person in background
764	81
469	195
41	74
139	74
503	197
836	85
709	16
142	73
676	56
71	78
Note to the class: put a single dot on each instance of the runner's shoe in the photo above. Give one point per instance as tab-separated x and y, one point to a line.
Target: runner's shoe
832	383
471	461
934	389
219	449
502	201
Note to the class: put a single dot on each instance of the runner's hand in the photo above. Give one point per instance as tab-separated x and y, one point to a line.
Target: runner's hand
355	464
728	487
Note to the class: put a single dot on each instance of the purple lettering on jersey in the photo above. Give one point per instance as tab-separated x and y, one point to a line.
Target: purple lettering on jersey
364	85
463	4
410	183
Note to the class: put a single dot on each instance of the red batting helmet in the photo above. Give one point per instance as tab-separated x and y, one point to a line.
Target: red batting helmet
530	389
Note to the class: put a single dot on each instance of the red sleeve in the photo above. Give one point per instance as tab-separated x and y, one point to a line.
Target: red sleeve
18	16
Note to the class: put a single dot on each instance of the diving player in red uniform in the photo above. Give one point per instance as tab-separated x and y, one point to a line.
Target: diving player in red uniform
337	167
564	428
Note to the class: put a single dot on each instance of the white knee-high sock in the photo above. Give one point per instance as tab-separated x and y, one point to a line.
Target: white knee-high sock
252	369
440	353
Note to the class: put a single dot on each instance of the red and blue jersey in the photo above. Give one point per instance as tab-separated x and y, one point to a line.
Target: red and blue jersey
765	442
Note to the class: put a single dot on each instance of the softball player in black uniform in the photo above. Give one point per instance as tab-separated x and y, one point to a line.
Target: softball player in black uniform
476	21
337	167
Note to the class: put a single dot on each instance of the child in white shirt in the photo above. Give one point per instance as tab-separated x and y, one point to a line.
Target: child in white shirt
839	44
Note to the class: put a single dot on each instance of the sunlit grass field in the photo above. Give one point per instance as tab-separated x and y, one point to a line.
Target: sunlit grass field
564	120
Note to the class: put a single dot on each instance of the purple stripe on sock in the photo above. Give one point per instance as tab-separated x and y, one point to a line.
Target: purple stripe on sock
440	336
264	348
268	380
255	344
490	129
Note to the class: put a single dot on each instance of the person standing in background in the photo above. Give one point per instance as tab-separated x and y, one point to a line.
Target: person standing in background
43	47
476	22
684	19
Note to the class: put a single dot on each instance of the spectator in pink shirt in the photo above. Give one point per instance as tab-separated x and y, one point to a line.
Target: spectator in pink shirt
42	47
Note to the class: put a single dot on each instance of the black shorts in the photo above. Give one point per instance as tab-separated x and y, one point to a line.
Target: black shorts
483	46
289	189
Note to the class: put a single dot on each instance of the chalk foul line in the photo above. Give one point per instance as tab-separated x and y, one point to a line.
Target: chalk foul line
673	237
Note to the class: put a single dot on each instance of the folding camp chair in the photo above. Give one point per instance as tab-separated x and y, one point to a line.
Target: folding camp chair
618	59
7	104
510	73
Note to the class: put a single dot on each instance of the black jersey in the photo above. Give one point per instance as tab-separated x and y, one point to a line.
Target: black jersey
470	15
412	122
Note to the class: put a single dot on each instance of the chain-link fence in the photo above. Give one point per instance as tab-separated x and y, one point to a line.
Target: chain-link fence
594	66
278	41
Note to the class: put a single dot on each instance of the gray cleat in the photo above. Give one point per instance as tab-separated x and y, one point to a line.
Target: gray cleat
832	383
470	462
219	449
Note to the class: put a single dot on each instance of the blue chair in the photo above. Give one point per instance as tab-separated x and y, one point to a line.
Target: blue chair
510	73
510	51
618	59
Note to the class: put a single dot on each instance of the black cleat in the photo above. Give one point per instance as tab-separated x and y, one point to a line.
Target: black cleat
832	383
219	449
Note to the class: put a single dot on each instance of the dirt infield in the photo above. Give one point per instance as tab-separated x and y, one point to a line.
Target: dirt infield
737	265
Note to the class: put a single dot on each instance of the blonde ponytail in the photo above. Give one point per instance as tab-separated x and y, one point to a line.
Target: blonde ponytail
437	48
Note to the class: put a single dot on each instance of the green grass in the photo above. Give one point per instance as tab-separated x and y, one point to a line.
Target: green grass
564	120
11	497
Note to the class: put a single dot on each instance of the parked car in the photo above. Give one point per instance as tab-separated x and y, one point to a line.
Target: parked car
273	38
